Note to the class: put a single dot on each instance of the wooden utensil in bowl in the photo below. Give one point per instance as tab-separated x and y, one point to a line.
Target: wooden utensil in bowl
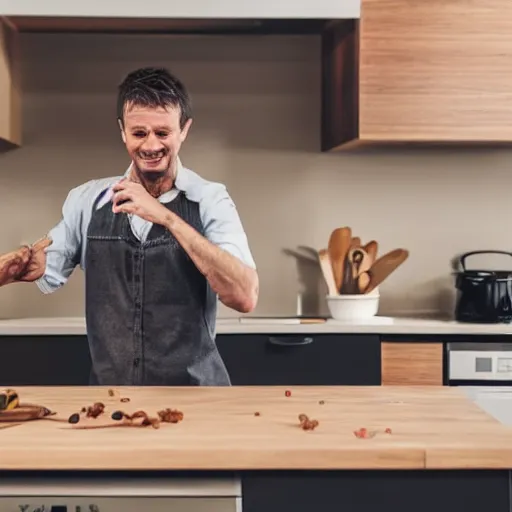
357	262
384	266
371	249
363	282
325	265
339	244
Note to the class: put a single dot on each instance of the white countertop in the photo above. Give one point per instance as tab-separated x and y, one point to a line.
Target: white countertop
248	325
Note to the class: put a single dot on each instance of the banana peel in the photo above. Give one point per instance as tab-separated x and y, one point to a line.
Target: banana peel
9	399
25	412
11	410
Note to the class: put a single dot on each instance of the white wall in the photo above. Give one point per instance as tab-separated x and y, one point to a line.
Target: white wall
256	128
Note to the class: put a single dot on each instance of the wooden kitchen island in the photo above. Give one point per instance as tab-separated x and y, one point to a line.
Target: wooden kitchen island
431	446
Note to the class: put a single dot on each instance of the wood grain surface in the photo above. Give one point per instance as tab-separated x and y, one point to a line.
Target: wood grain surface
10	85
431	427
436	70
417	364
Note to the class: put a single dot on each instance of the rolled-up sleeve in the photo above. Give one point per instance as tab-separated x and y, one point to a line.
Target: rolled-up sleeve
64	254
222	223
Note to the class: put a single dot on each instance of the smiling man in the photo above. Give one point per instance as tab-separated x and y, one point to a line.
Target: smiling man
158	246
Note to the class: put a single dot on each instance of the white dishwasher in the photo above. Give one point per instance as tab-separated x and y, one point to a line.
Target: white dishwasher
120	494
483	370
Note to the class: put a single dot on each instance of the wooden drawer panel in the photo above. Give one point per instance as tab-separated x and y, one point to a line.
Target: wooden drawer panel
412	364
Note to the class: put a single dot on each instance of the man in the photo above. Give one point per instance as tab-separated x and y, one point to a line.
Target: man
157	245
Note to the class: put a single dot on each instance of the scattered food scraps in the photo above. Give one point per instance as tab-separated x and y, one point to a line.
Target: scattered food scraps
256	414
110	392
321	402
74	418
125	399
93	411
363	433
165	415
306	423
170	415
288	393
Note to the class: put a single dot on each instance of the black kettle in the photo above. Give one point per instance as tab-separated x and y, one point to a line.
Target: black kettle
483	296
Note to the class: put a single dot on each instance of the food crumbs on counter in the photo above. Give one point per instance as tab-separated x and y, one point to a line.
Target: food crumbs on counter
110	392
165	415
306	423
388	431
117	415
146	420
170	415
321	402
125	399
362	433
74	418
95	410
256	414
288	393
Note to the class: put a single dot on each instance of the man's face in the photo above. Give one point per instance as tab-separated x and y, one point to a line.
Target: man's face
153	138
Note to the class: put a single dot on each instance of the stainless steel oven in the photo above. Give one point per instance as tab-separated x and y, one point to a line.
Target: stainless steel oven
479	363
120	494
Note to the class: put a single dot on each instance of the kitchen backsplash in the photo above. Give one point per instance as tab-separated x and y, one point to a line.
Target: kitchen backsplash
256	129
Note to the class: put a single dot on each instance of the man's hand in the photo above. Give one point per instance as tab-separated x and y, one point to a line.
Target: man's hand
27	263
13	264
37	263
130	197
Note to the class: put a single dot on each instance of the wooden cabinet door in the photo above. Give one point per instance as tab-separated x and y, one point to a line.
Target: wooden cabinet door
435	70
412	364
10	87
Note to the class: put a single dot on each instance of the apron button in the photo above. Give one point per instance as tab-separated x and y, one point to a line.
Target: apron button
136	361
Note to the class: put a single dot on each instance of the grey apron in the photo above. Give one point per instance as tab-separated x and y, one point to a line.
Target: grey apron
149	311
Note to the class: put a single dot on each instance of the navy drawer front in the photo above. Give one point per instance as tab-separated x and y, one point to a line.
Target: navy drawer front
304	359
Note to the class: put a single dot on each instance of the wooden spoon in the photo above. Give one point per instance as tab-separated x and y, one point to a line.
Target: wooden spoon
357	262
360	261
384	266
325	264
363	281
355	242
371	249
339	244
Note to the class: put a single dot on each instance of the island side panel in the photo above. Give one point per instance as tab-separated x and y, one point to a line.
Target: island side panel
368	491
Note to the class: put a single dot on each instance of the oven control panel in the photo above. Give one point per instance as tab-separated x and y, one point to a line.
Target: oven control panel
480	362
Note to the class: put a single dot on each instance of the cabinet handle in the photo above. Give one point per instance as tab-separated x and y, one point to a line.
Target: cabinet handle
290	342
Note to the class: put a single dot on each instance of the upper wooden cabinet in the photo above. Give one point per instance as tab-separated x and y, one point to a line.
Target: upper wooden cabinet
419	71
10	103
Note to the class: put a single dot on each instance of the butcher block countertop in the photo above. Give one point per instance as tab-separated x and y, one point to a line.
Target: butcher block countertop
431	427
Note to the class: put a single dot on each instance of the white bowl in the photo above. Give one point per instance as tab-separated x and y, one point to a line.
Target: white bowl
353	307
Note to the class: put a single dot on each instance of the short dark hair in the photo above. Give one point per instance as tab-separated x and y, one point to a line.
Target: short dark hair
154	87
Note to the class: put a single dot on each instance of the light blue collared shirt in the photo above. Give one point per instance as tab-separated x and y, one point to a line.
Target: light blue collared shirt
219	216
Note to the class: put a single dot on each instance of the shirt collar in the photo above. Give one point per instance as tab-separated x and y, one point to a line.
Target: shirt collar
179	182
